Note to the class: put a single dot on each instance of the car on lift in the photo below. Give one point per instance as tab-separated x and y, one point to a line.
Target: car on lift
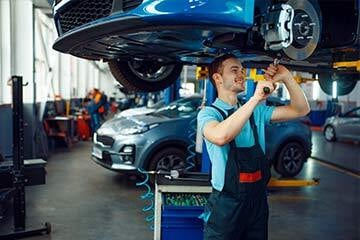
343	126
159	140
147	42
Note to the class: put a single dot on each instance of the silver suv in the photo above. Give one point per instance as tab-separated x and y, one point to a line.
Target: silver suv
159	140
156	140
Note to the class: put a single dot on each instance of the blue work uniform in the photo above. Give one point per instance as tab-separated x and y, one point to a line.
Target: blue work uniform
237	208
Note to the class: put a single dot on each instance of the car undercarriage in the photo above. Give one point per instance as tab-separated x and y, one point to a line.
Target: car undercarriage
146	47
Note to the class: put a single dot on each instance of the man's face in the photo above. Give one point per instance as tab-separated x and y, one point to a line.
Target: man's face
233	75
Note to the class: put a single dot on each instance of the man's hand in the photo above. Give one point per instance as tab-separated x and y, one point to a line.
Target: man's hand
277	74
259	94
298	103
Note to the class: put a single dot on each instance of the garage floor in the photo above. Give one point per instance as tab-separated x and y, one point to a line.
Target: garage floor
85	201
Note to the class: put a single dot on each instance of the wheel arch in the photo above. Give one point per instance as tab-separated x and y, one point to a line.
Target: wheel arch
160	146
274	157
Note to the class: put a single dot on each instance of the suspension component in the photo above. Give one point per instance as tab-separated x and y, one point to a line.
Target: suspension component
306	28
277	27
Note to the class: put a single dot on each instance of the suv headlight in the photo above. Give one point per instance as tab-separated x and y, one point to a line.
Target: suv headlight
95	138
137	129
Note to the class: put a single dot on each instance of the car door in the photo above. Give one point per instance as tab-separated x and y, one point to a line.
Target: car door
354	125
349	125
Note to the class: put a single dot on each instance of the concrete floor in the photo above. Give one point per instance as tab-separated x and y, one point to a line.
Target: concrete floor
84	201
345	154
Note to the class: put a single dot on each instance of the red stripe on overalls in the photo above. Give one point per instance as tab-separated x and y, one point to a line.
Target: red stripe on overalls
250	177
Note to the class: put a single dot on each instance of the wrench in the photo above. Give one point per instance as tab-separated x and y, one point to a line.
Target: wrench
266	90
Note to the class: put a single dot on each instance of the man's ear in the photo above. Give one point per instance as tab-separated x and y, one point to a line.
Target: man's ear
217	78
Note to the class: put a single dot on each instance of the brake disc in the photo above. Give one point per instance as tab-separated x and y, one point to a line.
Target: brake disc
306	30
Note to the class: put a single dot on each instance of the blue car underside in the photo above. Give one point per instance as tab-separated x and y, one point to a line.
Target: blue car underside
146	42
177	30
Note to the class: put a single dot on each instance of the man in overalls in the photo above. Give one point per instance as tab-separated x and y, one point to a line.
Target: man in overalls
235	139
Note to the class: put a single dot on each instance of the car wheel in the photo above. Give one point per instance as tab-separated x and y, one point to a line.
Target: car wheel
329	133
168	159
346	82
146	76
290	159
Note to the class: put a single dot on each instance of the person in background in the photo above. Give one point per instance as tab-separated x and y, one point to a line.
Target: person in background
92	107
103	106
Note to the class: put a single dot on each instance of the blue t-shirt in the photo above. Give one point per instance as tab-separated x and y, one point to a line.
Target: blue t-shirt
218	154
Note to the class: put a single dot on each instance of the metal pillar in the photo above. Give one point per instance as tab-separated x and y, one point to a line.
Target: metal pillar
211	92
18	167
172	93
18	152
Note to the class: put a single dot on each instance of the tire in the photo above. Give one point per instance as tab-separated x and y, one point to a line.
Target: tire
48	227
346	82
144	76
168	159
290	160
329	133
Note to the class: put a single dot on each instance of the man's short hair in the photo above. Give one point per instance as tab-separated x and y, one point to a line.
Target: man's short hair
216	66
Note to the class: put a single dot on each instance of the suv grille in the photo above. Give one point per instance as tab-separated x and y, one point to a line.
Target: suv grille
85	11
105	140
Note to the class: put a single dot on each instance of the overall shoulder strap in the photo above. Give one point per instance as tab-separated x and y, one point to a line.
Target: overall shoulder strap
254	128
222	112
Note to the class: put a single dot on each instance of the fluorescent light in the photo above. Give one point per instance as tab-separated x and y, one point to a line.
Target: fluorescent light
334	89
315	90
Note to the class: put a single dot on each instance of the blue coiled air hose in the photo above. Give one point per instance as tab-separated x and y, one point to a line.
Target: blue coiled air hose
190	160
147	196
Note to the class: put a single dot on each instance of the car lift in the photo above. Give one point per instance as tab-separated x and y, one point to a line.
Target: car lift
353	65
292	182
17	172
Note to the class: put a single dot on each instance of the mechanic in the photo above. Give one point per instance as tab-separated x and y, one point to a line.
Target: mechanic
235	139
93	108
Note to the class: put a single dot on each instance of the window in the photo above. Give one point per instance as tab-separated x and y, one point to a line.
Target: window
353	113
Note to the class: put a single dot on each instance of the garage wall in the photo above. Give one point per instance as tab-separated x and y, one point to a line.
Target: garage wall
353	96
16	41
26	39
4	49
71	76
313	92
21	45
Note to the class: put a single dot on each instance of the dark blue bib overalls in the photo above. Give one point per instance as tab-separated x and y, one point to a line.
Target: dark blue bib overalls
240	211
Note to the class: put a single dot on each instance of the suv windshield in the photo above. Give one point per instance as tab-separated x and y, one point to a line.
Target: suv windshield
181	108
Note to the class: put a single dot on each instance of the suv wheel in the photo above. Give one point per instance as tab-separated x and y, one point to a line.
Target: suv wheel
329	133
145	76
290	159
168	159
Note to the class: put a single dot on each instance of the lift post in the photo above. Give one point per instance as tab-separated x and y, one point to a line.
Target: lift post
18	177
